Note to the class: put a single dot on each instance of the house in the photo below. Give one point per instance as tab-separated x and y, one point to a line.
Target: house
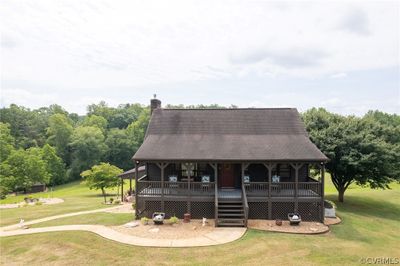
229	164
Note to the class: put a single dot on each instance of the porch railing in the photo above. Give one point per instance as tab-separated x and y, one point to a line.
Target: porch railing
245	205
283	189
154	188
253	189
310	189
256	188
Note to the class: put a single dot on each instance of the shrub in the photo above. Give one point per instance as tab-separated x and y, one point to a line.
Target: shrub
133	205
329	204
117	201
173	220
145	220
111	200
38	203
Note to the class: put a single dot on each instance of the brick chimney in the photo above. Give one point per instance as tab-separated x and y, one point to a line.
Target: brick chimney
154	104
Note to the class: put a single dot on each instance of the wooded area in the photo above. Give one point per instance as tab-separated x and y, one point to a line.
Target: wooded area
49	145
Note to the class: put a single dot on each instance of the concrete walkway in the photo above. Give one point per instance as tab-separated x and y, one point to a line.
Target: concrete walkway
216	237
49	218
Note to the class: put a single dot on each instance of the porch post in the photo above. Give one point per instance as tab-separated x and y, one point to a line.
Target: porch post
122	189
189	168
296	167
136	189
130	182
269	167
215	167
162	189
322	191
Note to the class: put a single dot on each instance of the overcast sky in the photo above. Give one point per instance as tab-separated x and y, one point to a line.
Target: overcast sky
343	55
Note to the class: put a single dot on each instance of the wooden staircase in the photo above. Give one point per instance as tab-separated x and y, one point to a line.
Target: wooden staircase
231	213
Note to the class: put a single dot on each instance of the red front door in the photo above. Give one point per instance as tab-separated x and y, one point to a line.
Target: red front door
227	178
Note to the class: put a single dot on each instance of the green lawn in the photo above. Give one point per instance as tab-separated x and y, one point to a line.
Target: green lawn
370	228
103	218
76	196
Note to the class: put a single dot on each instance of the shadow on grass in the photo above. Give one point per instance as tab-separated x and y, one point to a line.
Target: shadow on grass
367	206
99	195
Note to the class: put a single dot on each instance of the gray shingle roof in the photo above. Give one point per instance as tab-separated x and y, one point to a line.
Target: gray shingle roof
227	134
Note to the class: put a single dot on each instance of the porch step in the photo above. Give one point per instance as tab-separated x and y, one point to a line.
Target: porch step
231	222
230	210
223	215
230	213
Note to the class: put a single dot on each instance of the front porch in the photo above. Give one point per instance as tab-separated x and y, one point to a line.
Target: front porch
263	190
170	190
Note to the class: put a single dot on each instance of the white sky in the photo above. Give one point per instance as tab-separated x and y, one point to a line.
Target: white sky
341	55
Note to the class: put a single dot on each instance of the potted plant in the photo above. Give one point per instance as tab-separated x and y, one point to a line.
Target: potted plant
173	220
329	209
145	220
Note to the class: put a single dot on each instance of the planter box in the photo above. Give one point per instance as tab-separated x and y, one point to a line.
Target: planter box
330	212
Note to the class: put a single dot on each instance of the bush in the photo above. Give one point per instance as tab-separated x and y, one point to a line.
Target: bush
133	205
173	220
111	200
117	201
38	203
329	204
145	220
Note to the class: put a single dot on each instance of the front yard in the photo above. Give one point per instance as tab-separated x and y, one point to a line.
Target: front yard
76	196
370	228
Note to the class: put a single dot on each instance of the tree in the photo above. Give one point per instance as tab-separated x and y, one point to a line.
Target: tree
95	121
356	155
102	176
28	127
119	148
55	165
60	131
7	141
24	168
136	130
88	148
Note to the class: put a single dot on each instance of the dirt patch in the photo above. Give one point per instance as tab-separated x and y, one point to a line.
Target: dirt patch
179	230
302	228
332	221
45	201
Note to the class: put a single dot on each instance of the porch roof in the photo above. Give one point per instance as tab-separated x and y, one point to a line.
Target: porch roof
227	134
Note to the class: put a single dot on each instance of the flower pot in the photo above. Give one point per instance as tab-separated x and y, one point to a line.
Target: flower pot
330	212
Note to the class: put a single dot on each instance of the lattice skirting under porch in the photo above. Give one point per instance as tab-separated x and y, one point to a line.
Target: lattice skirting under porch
309	211
198	210
258	210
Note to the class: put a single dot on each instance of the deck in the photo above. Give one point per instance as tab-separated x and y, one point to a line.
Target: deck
207	190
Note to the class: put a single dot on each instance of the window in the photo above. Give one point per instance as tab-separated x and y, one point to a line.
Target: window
188	169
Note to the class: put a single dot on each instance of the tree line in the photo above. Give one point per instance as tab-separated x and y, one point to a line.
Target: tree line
49	145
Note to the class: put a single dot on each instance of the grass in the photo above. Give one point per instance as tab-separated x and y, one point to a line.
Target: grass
76	196
370	228
102	218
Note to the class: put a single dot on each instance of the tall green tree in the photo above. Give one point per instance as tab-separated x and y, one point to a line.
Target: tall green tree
102	176
28	127
59	135
356	155
95	121
137	130
55	165
24	168
119	148
7	141
88	149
